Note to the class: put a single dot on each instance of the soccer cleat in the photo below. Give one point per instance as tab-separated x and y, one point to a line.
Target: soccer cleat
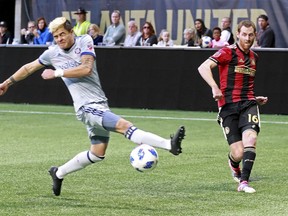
176	141
57	183
243	186
236	172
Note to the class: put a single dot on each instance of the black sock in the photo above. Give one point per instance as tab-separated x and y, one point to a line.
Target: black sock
248	161
234	163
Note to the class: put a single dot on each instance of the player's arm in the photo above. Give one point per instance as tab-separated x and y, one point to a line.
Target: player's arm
205	70
25	71
84	69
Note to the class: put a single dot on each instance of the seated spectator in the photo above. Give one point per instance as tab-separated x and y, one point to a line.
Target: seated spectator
27	36
42	33
226	33
115	33
133	34
217	41
5	36
148	37
201	30
189	35
82	25
265	36
164	39
94	32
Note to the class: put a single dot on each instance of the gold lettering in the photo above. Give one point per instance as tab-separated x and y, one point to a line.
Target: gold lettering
189	19
66	14
105	20
180	30
245	70
255	13
220	14
179	26
137	15
238	13
151	18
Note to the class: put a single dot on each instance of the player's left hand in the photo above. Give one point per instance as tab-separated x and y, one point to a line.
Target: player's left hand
3	88
48	74
261	100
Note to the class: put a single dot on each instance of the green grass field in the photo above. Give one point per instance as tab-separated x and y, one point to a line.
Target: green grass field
198	182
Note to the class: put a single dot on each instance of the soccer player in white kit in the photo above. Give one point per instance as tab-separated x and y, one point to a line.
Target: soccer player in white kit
74	61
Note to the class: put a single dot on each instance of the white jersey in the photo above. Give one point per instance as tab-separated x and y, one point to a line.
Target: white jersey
84	90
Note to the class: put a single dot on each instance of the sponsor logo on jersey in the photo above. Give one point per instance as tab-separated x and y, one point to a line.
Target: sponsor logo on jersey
245	70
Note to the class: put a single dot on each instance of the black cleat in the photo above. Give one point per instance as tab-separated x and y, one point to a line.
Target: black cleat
176	141
57	183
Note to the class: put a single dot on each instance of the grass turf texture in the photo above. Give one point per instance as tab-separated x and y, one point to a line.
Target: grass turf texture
198	182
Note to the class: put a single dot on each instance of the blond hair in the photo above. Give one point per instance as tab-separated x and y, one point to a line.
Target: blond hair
58	23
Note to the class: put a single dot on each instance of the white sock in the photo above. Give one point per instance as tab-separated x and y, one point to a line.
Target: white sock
80	161
141	137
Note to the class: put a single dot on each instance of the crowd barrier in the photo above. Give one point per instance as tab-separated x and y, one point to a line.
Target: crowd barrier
147	77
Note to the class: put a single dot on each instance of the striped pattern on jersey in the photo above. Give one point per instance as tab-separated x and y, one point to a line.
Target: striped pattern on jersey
236	72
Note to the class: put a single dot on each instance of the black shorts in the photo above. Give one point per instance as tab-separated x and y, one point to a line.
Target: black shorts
235	118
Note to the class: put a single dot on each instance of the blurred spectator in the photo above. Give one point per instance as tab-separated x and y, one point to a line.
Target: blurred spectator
27	36
201	30
189	35
94	32
42	33
115	33
217	41
148	37
226	34
133	34
5	36
82	25
164	39
265	36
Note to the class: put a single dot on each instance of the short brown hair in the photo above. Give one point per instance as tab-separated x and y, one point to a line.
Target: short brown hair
247	24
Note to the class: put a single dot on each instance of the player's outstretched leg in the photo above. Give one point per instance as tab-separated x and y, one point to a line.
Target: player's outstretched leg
176	141
57	183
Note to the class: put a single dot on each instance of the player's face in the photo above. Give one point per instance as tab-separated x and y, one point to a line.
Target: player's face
246	38
63	38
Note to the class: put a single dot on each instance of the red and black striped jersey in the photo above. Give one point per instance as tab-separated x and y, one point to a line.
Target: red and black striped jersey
236	73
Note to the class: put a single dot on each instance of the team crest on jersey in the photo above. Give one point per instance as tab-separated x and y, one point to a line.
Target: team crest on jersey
77	50
217	54
90	46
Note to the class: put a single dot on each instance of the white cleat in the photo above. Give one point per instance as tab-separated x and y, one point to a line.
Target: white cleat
243	186
236	172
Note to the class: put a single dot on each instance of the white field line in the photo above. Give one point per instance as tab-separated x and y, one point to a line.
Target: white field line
129	116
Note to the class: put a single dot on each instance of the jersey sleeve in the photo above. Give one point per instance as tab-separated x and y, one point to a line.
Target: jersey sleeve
222	56
87	46
44	58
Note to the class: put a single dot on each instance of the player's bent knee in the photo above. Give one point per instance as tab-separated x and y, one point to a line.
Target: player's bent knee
123	125
250	138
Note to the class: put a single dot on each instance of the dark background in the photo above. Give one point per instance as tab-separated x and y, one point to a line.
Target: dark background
153	78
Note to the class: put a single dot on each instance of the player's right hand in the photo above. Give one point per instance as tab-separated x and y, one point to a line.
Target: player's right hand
217	94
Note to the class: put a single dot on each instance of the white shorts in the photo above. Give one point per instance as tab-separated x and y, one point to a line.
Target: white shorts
92	115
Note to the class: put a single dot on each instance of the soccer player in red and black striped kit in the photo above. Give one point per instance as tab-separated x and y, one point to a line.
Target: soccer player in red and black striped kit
238	106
